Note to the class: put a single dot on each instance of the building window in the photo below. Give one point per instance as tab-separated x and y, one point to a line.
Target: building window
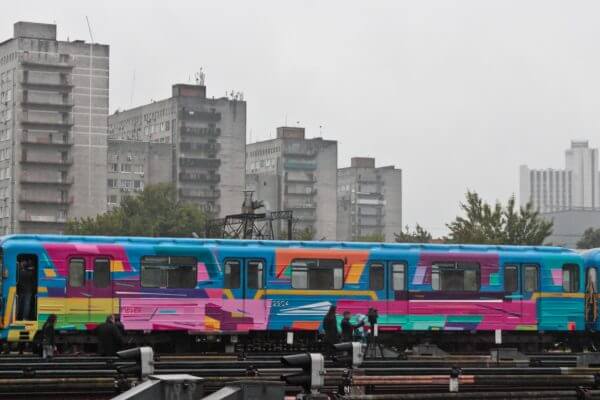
455	276
113	167
177	272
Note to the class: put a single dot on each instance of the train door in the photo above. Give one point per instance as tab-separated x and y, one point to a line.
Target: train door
512	295
397	293
27	286
254	287
591	296
530	278
77	303
378	284
101	290
244	278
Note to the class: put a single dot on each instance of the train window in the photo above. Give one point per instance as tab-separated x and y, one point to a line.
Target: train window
530	278
570	273
178	272
317	274
299	277
398	276
101	272
255	274
76	272
455	276
232	276
376	276
511	278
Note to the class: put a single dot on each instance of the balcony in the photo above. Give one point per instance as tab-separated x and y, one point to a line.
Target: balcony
194	177
47	60
56	140
300	165
200	194
292	192
299	177
211	148
205	163
201	132
40	198
36	159
58	122
40	180
47	105
25	216
287	205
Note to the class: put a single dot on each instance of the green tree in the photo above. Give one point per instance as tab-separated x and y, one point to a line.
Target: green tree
497	224
153	212
373	237
590	239
303	234
419	235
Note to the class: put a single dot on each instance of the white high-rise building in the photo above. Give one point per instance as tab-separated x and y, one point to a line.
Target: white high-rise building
575	187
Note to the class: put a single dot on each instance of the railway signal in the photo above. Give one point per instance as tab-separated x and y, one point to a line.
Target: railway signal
312	376
354	353
144	361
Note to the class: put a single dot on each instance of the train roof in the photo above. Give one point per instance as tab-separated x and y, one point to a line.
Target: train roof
281	243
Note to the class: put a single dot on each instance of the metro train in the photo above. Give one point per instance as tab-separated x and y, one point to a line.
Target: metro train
187	294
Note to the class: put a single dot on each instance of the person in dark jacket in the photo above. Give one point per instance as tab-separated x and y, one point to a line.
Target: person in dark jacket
348	328
110	339
330	328
25	290
48	337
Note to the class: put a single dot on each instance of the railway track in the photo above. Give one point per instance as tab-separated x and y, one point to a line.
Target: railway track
377	379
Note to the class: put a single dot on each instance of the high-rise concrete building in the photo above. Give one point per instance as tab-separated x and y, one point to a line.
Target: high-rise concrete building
294	173
369	200
206	138
53	126
575	187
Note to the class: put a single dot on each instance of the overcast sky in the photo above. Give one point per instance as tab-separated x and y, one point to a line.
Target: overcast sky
456	93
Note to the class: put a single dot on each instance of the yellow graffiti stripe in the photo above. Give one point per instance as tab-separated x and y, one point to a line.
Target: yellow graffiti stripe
228	294
556	295
49	273
8	311
294	292
355	272
116	266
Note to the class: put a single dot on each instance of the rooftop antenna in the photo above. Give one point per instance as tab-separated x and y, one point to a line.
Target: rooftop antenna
200	76
320	130
89	28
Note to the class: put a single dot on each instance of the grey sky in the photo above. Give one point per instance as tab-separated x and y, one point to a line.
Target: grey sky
456	93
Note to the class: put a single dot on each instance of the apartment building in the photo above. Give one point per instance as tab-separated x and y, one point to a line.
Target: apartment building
294	173
575	187
206	138
369	200
53	126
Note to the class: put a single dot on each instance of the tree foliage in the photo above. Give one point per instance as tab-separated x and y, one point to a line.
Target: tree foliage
590	239
498	224
418	235
307	233
153	212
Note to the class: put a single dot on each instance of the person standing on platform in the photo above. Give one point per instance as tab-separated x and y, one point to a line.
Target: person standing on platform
330	328
348	328
110	339
48	337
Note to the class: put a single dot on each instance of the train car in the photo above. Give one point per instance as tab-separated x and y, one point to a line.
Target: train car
187	293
